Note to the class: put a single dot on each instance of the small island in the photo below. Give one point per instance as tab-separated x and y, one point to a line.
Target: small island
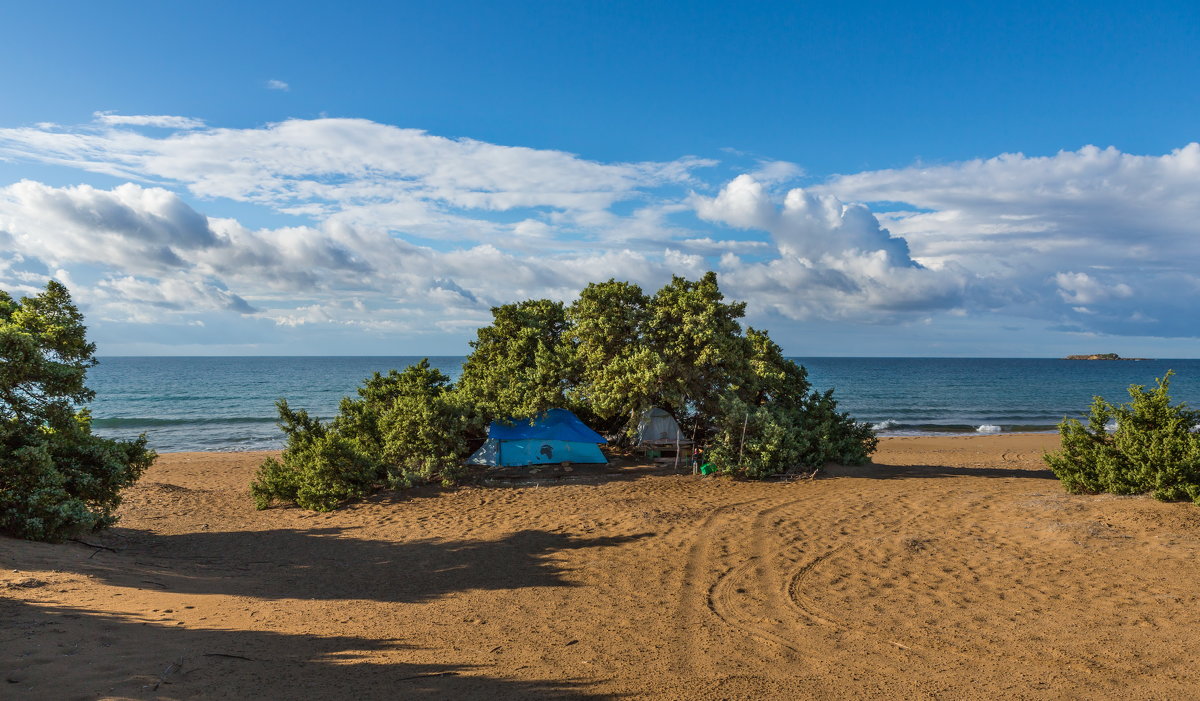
1101	356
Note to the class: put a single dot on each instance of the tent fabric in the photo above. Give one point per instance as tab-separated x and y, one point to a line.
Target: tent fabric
556	436
556	424
514	453
658	426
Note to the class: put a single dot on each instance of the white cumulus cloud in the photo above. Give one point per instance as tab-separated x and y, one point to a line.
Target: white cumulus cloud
388	229
1041	229
834	260
130	228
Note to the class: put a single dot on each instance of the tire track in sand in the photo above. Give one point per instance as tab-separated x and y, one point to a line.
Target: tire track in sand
757	595
796	594
729	602
746	579
796	597
692	645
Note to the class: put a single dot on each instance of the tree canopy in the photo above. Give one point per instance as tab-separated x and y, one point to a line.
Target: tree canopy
59	479
608	356
519	365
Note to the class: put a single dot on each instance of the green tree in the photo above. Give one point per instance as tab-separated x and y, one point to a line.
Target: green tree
699	341
619	372
1155	448
770	377
771	422
521	364
58	478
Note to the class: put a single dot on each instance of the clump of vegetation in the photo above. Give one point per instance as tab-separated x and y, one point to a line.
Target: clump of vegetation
403	429
608	356
58	478
1155	448
777	424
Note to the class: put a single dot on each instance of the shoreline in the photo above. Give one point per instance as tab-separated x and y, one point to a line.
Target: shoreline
882	436
220	404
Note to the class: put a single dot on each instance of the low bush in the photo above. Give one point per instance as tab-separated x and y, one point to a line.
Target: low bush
403	429
756	442
319	469
1154	448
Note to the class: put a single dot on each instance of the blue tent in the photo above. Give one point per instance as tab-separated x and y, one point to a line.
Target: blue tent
556	436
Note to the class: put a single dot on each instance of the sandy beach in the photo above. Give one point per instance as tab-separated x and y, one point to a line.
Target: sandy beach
948	568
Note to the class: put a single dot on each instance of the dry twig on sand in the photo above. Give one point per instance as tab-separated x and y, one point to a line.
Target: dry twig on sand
232	657
93	545
427	674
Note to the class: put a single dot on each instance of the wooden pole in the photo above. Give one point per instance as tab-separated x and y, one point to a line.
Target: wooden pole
692	457
677	440
742	447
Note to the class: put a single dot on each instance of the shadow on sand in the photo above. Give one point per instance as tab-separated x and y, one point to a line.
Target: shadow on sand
885	471
324	563
55	652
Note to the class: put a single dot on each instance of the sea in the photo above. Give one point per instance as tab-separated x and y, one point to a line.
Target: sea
228	403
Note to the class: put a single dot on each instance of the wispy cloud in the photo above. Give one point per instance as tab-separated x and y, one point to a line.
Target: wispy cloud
148	120
274	84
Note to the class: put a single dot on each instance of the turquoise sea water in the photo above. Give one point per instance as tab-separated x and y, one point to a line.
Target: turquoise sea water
222	403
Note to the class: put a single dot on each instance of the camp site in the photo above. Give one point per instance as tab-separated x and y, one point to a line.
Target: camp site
593	508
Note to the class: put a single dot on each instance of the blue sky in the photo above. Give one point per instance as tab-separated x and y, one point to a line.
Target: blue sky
874	178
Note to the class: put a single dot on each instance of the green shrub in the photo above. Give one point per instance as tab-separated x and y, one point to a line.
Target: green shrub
56	478
424	440
319	469
754	441
1154	450
403	429
757	442
771	421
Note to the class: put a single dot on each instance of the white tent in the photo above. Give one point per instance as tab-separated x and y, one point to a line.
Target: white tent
659	427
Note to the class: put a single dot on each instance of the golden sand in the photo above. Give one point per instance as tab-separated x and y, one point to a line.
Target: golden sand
949	568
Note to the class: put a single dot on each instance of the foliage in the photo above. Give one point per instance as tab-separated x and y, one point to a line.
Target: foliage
770	377
606	330
413	423
755	441
610	355
1155	448
621	351
404	429
831	436
521	364
700	343
319	470
59	479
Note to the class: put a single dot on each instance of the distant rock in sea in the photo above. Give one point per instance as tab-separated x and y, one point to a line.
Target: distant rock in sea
1101	356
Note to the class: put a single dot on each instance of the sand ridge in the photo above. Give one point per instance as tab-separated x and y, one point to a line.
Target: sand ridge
950	567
